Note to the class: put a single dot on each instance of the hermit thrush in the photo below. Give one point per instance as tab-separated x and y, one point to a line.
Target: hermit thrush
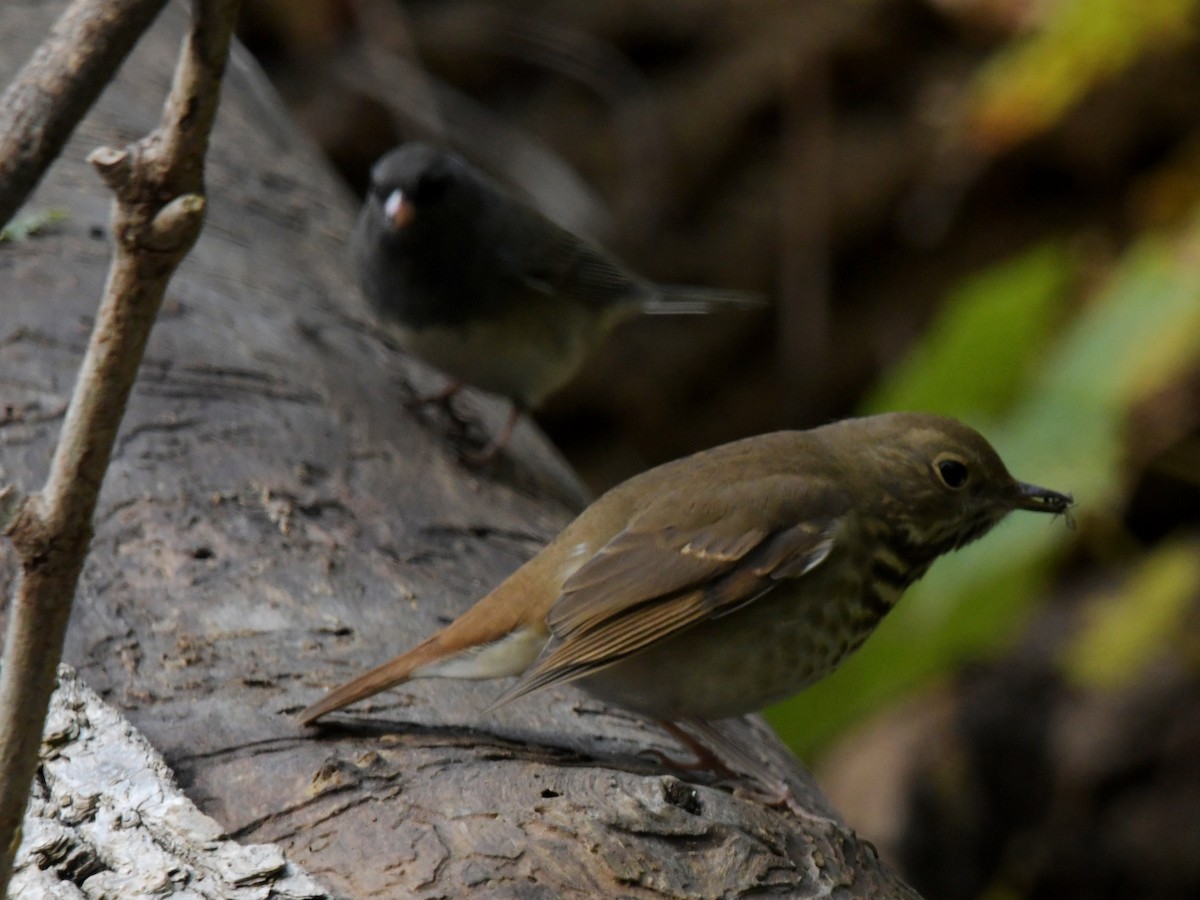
719	583
486	288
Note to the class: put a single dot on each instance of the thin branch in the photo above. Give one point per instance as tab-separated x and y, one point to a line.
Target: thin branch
158	183
59	84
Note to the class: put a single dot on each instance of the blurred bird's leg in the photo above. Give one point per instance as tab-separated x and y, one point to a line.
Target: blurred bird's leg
499	442
442	397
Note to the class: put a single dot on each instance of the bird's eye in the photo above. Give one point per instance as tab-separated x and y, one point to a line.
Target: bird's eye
952	472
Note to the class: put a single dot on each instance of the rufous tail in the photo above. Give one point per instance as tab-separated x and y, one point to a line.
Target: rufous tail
391	673
511	605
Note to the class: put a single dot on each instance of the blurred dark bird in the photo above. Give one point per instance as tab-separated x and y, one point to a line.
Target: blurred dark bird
489	290
722	582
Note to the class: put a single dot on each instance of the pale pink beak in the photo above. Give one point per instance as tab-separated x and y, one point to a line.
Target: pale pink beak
398	210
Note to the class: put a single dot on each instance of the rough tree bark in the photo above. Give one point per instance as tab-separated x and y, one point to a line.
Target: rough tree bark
274	521
107	820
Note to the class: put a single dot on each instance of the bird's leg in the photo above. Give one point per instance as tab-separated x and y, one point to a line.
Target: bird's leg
441	397
444	398
735	765
499	442
706	760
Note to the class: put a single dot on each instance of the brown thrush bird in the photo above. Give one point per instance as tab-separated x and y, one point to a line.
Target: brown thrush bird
717	584
486	288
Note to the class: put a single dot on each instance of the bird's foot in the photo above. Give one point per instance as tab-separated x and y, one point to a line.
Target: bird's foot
460	426
443	399
496	445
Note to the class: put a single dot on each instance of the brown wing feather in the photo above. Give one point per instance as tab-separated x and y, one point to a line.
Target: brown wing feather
584	644
641	564
567	660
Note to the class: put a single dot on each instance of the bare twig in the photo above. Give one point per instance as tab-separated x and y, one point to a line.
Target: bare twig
62	79
158	183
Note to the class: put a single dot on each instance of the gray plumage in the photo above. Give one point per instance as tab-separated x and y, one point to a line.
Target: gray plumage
486	288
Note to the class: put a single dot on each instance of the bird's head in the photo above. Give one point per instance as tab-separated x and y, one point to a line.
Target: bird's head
935	482
412	187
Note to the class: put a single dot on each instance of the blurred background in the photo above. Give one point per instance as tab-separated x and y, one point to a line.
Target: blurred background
986	208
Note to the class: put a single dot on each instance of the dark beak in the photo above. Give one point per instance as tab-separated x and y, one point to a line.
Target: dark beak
398	210
1039	499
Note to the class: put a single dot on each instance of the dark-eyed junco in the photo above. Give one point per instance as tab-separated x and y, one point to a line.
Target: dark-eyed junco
486	288
722	582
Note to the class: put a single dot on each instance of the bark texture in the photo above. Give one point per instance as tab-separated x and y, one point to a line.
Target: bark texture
107	820
274	521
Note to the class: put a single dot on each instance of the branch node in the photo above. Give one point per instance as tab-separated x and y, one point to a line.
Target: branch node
113	165
177	222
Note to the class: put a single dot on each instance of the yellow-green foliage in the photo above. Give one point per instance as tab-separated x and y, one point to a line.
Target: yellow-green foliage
1129	630
985	348
1029	85
30	224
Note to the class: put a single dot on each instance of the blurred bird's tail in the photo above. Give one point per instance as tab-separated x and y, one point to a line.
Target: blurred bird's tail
683	300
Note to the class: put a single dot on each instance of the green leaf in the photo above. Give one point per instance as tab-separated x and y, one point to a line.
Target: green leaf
982	351
1031	83
1127	632
27	225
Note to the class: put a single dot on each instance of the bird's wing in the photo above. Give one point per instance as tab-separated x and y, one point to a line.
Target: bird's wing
653	579
556	263
572	266
553	261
